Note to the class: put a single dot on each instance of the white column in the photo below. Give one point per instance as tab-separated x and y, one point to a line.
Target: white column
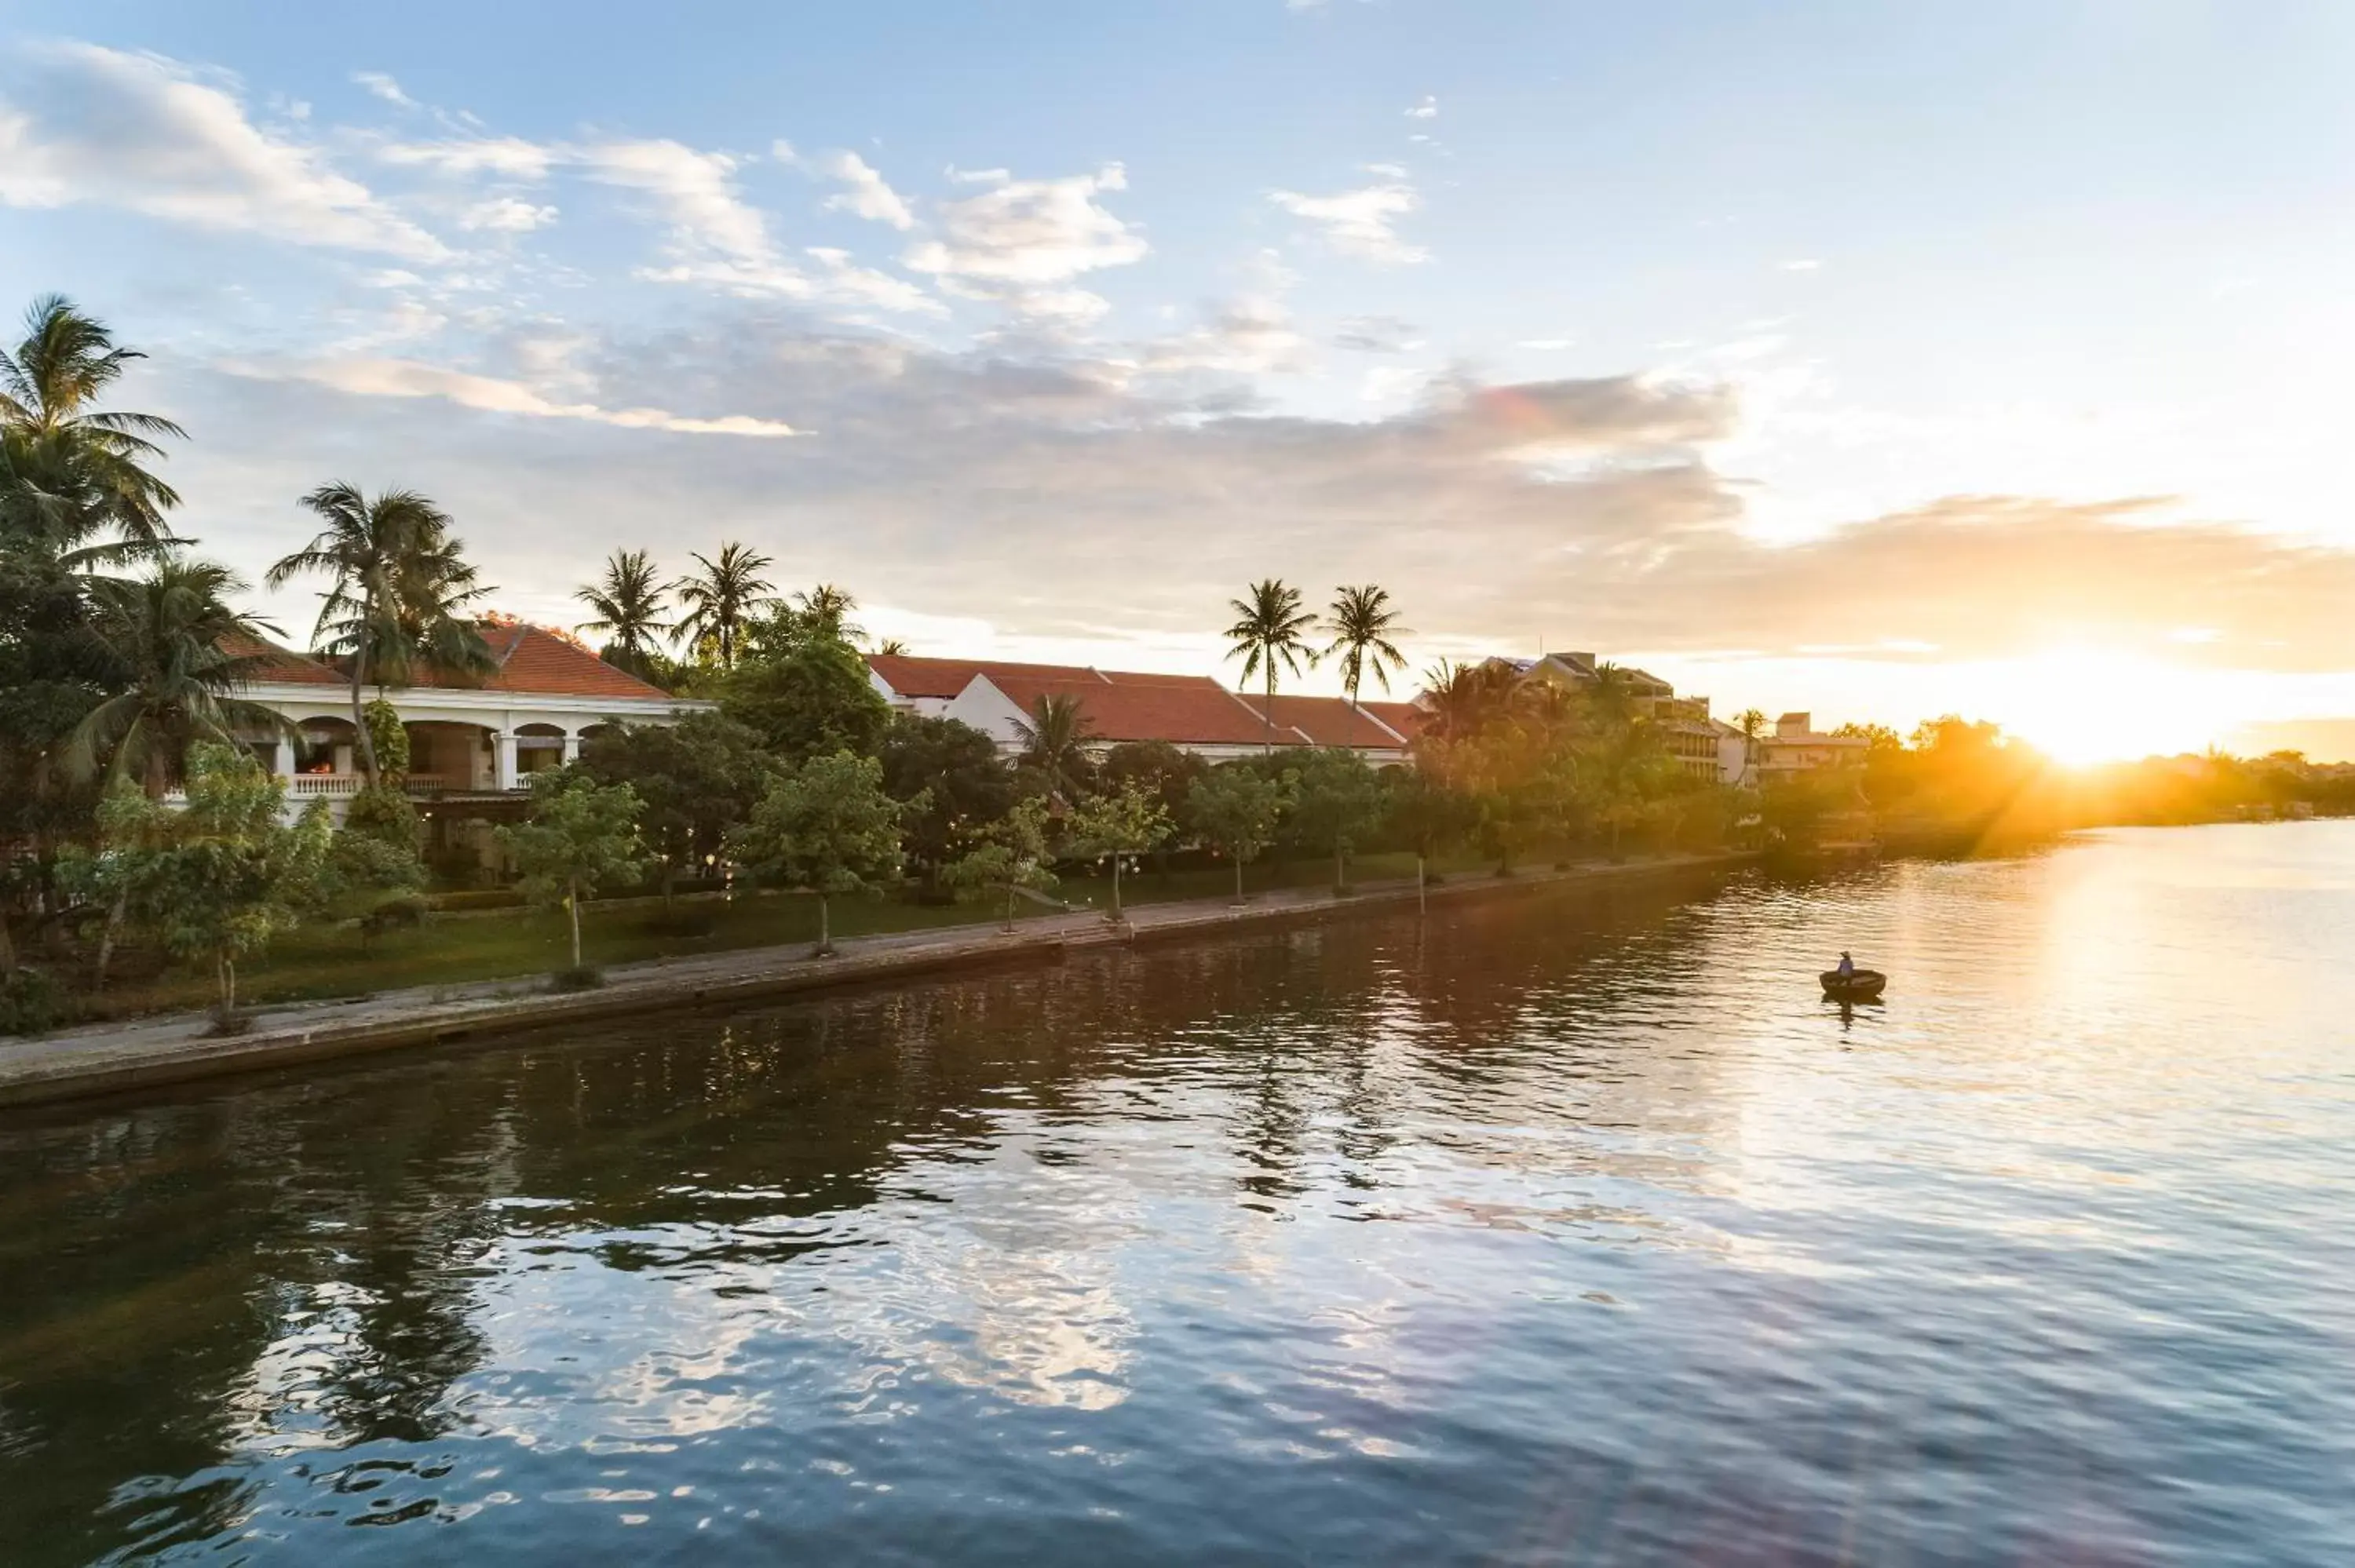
504	778
343	763
284	766
571	746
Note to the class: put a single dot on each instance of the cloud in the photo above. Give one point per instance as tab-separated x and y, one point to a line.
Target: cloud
80	124
867	197
385	378
510	156
379	85
1375	334
1802	264
1358	223
695	192
1020	241
1424	108
506	215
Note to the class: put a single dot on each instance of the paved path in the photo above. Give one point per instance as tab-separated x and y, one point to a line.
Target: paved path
101	1058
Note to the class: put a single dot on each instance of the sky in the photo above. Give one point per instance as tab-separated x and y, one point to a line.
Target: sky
1876	361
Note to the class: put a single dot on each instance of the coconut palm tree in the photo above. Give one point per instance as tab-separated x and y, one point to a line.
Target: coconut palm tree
1268	631
723	596
175	653
1752	722
72	470
1363	623
825	612
892	645
400	592
629	603
1464	698
1055	742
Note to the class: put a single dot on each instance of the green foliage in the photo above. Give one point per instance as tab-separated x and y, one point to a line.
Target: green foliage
1423	813
720	598
32	1002
1270	629
1338	801
385	734
1159	769
810	700
1240	810
1010	854
828	826
215	880
964	787
385	815
581	835
694	780
1118	824
1055	740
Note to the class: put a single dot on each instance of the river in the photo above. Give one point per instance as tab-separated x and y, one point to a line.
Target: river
1571	1228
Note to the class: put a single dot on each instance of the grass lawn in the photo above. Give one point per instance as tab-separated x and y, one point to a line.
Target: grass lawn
328	960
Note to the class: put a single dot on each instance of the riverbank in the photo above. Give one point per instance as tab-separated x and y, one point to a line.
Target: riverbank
112	1059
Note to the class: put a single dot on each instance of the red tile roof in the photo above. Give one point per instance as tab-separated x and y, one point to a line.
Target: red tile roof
280	666
1325	721
1404	717
944	678
547	665
1187	710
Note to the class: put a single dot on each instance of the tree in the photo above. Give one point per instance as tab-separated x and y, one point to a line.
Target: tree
399	590
1238	810
1363	623
1269	629
174	653
825	612
721	598
811	699
892	646
1752	722
694	780
1166	772
1118	824
629	605
1427	815
1338	801
827	826
955	770
580	835
1465	699
215	880
73	469
1010	854
1055	743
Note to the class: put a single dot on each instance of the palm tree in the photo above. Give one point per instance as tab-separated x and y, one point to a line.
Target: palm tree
721	598
825	612
1464	698
1752	726
175	654
401	591
628	600
72	468
1268	626
1055	742
1363	623
893	646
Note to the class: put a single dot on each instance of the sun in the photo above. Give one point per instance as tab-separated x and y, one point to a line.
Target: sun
2085	705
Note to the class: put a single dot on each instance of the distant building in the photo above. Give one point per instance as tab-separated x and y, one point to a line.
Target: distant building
1193	713
1796	746
1696	740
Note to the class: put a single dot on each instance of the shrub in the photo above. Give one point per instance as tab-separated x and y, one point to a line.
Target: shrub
32	1004
580	976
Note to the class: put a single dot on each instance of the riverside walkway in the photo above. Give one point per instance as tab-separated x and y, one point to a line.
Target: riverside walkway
139	1053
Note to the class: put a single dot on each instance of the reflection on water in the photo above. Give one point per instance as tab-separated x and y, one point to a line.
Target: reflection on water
1560	1230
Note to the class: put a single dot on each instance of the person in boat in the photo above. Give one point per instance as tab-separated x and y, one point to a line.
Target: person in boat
1847	967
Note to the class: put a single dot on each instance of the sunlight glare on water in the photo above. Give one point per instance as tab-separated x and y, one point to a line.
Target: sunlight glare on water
1564	1229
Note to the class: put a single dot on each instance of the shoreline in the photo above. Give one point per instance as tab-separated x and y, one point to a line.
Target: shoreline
105	1059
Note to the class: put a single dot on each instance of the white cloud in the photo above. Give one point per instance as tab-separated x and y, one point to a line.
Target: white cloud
1376	335
1021	240
506	215
1358	223
1802	264
379	85
383	377
1424	108
867	195
80	124
846	280
506	155
695	192
977	177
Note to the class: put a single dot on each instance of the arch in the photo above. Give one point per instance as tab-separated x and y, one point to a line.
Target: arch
449	754
540	746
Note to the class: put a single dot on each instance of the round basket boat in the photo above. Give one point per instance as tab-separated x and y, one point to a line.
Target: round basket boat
1862	985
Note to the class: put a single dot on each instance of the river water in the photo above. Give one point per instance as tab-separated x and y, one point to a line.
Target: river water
1562	1229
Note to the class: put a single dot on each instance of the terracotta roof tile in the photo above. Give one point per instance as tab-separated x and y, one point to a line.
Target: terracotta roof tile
1187	710
1407	718
538	661
1325	721
280	666
944	678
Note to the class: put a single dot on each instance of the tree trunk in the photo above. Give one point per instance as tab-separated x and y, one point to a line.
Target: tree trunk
572	904
225	973
1117	859
106	940
361	738
1238	877
1422	885
7	950
155	779
1010	907
824	930
1270	715
1341	868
